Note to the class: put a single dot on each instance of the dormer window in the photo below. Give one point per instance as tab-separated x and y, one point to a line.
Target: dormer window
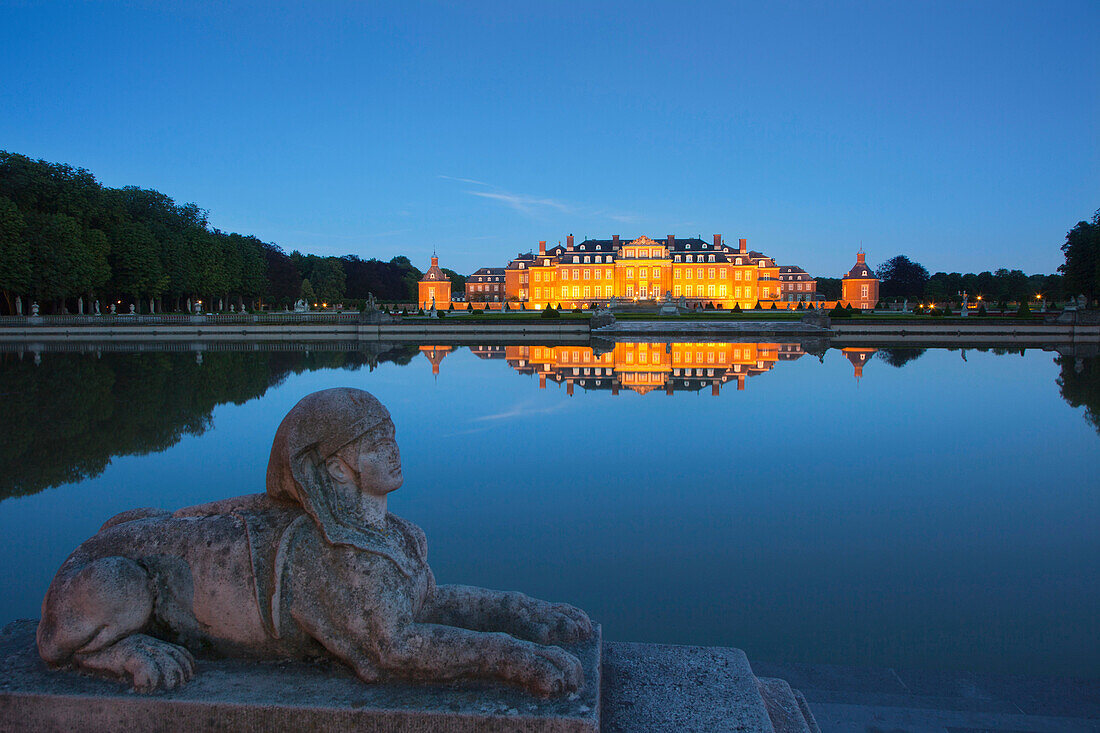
710	258
688	247
576	259
587	259
521	265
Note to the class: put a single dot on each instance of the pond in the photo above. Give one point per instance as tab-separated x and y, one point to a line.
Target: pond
876	506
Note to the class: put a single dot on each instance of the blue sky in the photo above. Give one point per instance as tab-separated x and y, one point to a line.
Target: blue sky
964	134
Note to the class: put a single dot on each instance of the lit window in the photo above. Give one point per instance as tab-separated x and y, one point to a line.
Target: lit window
723	273
699	273
687	291
576	275
710	291
565	274
576	259
598	274
630	273
676	291
722	291
587	274
710	273
687	273
630	291
576	291
656	273
676	274
586	291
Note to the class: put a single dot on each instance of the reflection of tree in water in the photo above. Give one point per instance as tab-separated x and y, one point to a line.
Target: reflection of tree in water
1079	384
899	357
67	417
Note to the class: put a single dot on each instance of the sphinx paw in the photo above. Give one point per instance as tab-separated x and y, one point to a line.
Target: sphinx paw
151	664
556	672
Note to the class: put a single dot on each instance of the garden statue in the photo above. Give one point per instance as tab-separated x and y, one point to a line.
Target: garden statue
132	309
34	308
315	567
114	310
97	307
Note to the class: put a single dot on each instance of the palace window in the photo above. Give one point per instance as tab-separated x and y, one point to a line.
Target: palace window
656	273
722	291
586	291
699	273
576	275
687	273
737	275
676	291
676	274
710	291
690	258
576	259
565	274
687	291
630	273
564	292
576	291
546	263
677	258
587	274
863	291
710	273
608	274
737	292
630	291
710	258
723	273
598	274
688	247
739	260
587	259
748	275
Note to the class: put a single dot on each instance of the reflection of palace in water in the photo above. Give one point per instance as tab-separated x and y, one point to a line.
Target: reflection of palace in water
645	367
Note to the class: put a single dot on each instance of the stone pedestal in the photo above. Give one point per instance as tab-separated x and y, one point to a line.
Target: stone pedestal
261	696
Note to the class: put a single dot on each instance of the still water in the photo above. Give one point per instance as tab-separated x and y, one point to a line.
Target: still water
936	509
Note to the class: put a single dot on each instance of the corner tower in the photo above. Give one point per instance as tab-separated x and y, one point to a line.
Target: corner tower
434	287
859	287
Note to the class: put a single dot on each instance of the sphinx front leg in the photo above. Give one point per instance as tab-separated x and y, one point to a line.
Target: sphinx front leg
520	615
431	652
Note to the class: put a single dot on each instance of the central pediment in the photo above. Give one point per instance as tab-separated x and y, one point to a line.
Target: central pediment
644	241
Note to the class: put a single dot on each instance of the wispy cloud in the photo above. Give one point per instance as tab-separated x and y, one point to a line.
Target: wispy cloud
524	203
464	180
532	205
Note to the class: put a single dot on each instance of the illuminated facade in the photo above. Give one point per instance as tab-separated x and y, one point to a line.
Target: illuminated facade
860	286
644	269
434	288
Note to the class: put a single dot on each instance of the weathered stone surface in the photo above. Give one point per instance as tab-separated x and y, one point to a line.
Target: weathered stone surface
661	687
316	568
235	695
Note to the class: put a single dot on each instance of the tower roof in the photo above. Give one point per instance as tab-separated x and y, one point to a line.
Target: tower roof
434	274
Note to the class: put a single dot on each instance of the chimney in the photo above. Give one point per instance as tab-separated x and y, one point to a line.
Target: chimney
614	388
669	388
542	247
740	382
717	241
542	381
435	261
569	241
671	241
861	259
743	244
614	240
714	389
569	387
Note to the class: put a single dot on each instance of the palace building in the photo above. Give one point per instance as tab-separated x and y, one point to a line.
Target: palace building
643	269
434	288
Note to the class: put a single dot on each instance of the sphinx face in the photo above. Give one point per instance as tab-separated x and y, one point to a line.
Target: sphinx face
379	463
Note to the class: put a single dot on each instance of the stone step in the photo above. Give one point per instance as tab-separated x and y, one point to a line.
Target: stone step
787	708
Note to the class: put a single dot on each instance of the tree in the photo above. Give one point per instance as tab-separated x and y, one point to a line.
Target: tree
829	287
1082	266
15	255
307	293
902	278
328	276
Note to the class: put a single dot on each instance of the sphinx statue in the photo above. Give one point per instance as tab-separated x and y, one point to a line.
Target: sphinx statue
315	567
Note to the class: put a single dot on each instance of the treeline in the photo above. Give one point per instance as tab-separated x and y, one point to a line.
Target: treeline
67	241
901	278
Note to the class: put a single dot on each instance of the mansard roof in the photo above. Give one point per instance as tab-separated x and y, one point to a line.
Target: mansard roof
488	274
860	272
434	274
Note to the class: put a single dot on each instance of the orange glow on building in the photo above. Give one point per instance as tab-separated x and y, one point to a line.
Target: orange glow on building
434	288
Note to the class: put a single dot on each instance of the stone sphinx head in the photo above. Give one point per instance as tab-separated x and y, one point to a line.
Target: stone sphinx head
335	454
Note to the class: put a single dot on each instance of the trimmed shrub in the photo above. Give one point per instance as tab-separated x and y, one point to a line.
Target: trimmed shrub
1023	310
452	307
981	309
758	307
549	312
736	308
